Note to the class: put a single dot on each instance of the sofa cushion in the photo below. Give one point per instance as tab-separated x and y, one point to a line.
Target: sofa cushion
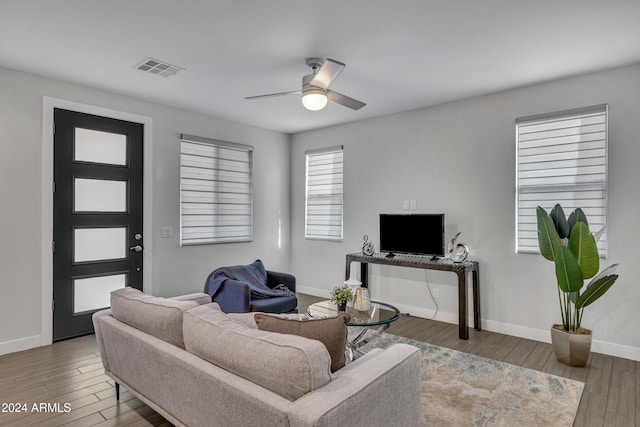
288	365
247	319
199	297
160	317
330	331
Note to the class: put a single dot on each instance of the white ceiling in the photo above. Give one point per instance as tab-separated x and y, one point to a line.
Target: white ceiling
400	55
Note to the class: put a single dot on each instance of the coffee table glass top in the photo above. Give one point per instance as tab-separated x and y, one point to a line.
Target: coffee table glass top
379	313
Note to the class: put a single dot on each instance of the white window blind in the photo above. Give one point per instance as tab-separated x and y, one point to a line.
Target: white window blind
561	158
215	191
324	190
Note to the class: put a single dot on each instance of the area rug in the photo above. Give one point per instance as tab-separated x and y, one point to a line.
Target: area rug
460	389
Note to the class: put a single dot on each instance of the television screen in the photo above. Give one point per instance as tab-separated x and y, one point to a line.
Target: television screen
421	234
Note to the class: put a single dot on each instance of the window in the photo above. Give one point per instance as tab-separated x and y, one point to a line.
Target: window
215	191
324	189
561	158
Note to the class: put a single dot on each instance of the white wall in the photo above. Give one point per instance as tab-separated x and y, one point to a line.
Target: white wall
176	270
458	158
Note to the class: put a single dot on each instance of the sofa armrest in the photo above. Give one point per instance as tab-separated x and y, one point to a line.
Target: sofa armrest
382	390
97	327
234	297
199	297
275	278
351	365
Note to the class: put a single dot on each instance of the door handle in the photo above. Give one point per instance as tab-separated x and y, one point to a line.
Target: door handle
136	248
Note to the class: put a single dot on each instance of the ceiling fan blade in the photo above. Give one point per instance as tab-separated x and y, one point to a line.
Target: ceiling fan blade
328	71
344	100
271	95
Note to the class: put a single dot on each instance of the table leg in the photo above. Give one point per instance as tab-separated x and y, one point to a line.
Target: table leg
364	274
352	356
476	298
463	329
354	345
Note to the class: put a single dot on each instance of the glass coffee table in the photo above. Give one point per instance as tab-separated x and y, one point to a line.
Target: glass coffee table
380	314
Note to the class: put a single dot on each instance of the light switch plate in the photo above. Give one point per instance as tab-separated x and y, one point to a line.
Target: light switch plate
166	232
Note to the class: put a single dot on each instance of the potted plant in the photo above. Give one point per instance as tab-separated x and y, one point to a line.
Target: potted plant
340	295
572	247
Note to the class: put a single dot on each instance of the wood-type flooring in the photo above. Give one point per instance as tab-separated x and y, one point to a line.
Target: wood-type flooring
70	372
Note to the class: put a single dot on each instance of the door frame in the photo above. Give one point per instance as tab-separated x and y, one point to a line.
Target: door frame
46	245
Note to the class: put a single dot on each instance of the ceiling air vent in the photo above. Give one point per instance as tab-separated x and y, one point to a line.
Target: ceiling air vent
158	67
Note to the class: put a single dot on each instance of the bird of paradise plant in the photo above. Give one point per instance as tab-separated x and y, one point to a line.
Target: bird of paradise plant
572	247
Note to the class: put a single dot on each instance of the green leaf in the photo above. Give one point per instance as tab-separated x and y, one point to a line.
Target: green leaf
583	245
577	215
568	271
560	221
599	234
595	290
548	239
573	296
607	271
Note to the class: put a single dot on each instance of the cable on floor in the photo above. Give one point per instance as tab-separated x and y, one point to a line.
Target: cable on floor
426	276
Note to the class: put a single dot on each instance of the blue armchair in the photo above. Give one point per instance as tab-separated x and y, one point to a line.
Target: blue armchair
244	288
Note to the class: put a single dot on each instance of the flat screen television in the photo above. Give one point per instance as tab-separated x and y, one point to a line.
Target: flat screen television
420	234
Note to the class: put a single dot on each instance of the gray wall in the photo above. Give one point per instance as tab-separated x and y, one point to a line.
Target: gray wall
458	158
176	270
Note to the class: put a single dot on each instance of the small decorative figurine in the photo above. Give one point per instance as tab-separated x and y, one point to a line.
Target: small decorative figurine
367	247
458	252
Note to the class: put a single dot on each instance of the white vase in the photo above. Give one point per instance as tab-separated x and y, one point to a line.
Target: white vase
353	283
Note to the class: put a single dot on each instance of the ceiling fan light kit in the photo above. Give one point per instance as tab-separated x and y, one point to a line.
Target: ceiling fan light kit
315	86
314	99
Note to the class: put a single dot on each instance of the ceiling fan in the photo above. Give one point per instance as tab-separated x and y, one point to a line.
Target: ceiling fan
315	86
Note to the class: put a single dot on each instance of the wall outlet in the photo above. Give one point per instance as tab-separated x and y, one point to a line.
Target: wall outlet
166	232
436	293
414	205
405	205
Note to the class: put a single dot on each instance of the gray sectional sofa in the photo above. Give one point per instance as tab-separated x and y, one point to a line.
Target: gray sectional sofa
198	366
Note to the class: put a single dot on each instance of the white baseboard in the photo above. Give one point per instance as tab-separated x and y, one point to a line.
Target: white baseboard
429	313
316	292
618	350
517	330
542	335
597	346
20	344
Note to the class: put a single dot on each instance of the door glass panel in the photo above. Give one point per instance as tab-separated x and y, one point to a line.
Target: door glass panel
95	244
100	147
99	195
94	293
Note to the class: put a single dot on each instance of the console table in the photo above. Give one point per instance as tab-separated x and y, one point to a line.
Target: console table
425	262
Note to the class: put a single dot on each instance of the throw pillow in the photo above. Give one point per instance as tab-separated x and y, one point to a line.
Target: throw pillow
330	331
